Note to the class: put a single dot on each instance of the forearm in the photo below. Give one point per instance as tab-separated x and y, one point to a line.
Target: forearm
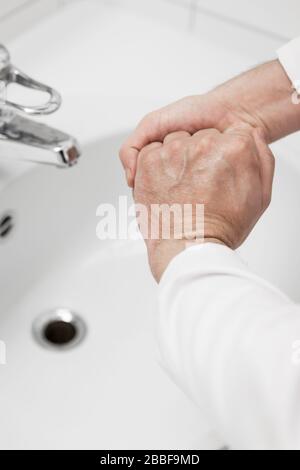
261	97
227	337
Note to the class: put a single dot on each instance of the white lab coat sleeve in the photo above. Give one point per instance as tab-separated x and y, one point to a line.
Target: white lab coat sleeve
289	57
231	341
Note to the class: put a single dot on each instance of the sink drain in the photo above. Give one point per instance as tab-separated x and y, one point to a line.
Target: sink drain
59	329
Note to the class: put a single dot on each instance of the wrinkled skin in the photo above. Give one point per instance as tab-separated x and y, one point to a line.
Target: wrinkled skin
257	99
213	149
230	173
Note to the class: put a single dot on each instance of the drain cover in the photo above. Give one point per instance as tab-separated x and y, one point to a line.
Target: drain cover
60	332
59	329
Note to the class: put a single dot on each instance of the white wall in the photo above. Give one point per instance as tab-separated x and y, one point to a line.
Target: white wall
8	6
18	15
276	17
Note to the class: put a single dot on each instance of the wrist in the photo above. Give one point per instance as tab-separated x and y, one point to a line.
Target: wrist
162	252
259	99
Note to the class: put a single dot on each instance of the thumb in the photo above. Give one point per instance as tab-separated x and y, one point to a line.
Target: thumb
267	165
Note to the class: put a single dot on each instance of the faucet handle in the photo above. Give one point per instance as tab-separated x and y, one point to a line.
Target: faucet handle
10	74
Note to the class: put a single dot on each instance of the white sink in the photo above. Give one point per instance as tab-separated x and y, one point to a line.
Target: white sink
110	391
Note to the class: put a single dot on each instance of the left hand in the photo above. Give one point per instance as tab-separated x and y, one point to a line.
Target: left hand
230	173
258	99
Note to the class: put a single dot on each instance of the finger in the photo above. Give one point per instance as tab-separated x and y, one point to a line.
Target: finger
203	142
146	132
143	155
207	132
148	148
188	114
267	165
179	135
128	157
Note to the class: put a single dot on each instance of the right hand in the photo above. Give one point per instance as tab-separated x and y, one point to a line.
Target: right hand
230	173
257	100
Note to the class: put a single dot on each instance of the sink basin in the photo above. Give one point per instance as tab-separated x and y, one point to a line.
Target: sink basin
110	390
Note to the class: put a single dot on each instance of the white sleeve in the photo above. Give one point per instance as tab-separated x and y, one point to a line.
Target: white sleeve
231	342
289	57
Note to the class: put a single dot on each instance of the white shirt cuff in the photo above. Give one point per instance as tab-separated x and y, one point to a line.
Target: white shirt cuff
289	57
211	259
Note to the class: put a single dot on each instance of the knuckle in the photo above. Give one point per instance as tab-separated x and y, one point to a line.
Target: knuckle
206	142
141	158
175	146
149	156
195	149
152	154
241	151
243	143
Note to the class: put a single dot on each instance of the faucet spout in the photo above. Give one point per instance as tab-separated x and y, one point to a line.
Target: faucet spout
24	139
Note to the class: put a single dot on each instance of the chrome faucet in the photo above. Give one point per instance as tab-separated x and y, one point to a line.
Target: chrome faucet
24	139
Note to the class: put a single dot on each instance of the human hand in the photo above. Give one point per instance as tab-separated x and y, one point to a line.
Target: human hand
230	173
258	99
